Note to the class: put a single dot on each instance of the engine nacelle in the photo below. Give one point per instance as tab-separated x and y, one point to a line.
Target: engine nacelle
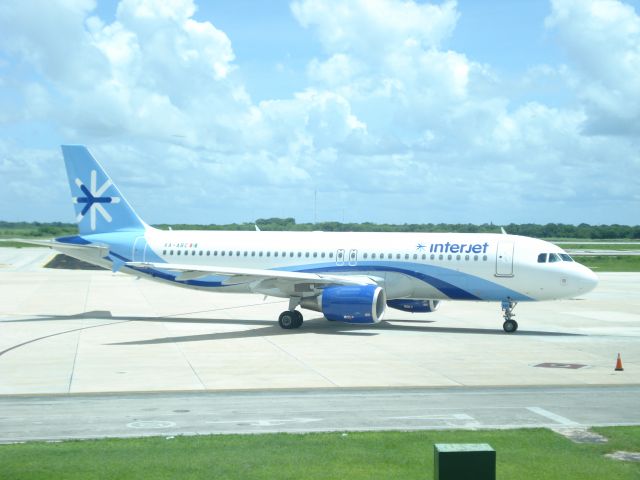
349	303
414	306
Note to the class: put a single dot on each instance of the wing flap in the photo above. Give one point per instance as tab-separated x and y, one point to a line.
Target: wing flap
239	275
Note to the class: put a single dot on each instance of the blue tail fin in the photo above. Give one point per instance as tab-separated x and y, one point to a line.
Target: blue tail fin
99	205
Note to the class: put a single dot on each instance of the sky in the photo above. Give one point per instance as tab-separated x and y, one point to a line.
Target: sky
330	110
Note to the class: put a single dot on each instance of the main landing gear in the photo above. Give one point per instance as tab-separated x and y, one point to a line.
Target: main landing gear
290	319
509	325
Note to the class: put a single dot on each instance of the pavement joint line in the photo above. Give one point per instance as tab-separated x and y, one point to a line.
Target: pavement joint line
176	344
33	340
437	390
302	362
75	355
552	416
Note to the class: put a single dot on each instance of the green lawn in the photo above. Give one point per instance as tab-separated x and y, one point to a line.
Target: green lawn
521	454
611	263
599	246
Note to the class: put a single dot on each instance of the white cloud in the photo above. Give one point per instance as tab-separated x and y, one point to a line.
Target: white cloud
602	40
368	28
391	126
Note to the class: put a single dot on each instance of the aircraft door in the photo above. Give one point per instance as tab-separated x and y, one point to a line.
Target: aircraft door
353	257
139	249
504	260
340	258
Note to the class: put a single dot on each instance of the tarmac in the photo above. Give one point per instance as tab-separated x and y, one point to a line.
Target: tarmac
76	332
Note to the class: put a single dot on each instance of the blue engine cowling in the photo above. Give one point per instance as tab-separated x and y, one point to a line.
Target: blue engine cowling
353	303
414	306
349	303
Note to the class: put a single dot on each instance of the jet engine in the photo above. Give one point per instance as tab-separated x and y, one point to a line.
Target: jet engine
414	306
349	303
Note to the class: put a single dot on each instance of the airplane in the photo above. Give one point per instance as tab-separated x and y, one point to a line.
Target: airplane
348	277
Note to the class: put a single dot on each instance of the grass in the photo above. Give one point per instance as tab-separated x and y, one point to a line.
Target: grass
611	263
521	454
12	244
600	246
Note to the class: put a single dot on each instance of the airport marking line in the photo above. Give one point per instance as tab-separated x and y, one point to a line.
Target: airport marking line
151	424
552	416
267	423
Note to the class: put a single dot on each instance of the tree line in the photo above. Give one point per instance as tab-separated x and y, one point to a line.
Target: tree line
549	230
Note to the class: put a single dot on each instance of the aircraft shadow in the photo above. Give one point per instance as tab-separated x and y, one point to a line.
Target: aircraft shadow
318	326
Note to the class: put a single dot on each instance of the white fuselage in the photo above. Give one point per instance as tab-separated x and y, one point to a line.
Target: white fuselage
489	267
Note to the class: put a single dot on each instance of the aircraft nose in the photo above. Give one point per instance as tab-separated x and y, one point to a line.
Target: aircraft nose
587	279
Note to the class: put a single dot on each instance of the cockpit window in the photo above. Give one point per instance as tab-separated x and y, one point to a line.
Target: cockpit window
542	258
553	257
566	257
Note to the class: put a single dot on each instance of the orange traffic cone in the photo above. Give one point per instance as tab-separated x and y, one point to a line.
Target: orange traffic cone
619	364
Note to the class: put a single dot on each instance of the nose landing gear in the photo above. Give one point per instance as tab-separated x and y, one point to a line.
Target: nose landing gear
509	325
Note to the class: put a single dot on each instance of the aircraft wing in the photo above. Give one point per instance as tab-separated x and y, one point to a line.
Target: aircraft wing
264	280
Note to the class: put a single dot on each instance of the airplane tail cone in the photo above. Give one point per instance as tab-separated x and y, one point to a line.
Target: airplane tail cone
619	364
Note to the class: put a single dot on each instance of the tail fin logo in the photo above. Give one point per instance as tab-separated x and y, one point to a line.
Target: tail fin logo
93	199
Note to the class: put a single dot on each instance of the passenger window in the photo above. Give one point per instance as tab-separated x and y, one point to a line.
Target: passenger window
208	253
275	254
222	252
215	253
475	258
424	256
230	253
322	255
306	254
246	253
179	251
164	252
542	258
171	252
466	257
238	253
299	254
260	253
458	257
330	254
200	253
315	254
440	257
268	254
193	252
433	257
373	256
397	256
253	254
449	257
484	257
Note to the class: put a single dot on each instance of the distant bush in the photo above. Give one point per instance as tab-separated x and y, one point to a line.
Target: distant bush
550	230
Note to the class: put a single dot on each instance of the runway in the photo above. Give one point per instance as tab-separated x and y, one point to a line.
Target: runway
189	413
87	341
